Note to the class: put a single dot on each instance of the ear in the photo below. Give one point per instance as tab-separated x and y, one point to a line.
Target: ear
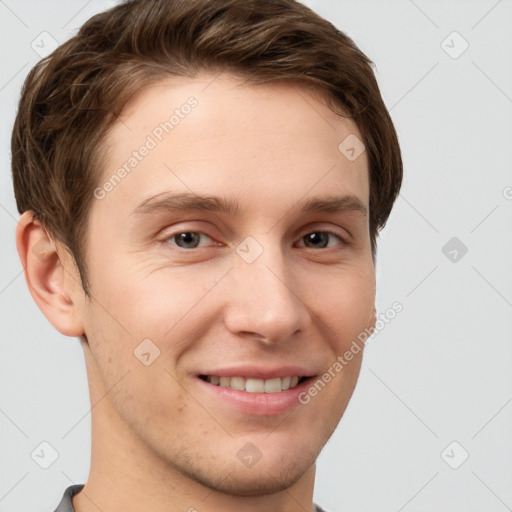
50	276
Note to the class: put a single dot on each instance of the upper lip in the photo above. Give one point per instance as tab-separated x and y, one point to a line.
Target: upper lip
260	372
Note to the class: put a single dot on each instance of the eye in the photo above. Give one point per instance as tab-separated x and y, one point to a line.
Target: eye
187	239
320	239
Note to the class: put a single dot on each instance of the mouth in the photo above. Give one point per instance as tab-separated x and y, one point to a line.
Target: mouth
253	385
255	392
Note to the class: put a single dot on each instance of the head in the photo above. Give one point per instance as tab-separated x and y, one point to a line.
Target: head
206	182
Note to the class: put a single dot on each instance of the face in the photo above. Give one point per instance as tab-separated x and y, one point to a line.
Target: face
235	251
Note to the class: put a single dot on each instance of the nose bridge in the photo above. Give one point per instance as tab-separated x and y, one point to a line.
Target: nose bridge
264	299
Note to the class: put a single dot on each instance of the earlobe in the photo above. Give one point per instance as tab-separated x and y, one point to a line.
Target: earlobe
47	277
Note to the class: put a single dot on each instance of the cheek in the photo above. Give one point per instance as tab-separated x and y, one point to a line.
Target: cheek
347	310
152	299
344	304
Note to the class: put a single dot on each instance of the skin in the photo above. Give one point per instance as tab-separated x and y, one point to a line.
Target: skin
159	442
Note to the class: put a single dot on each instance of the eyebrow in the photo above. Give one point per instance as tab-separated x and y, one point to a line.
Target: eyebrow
191	202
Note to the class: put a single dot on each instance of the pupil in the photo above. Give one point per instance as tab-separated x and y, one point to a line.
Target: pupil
188	238
314	238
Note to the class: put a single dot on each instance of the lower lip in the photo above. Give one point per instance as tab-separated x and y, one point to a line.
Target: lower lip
259	404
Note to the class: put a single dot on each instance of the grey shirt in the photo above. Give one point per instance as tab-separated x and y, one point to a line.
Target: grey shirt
66	504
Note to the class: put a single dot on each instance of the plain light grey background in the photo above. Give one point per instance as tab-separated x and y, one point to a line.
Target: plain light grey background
429	425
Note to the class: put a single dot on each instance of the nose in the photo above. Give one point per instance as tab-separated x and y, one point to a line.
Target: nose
264	299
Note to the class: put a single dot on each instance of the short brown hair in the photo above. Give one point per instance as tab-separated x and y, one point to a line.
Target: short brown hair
72	97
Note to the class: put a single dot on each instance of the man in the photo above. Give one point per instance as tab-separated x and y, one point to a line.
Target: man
201	187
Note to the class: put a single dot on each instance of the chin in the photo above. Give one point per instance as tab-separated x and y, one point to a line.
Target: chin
255	481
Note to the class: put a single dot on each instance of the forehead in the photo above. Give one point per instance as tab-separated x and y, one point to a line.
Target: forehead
272	142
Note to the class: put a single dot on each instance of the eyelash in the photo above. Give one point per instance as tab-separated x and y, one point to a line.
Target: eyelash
324	231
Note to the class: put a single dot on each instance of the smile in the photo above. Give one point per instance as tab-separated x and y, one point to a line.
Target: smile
251	385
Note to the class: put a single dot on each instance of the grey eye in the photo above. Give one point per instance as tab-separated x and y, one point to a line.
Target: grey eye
317	239
187	240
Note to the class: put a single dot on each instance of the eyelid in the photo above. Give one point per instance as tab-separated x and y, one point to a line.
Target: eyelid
187	226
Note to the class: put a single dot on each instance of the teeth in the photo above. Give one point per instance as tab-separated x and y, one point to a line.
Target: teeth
250	385
237	383
273	385
255	385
